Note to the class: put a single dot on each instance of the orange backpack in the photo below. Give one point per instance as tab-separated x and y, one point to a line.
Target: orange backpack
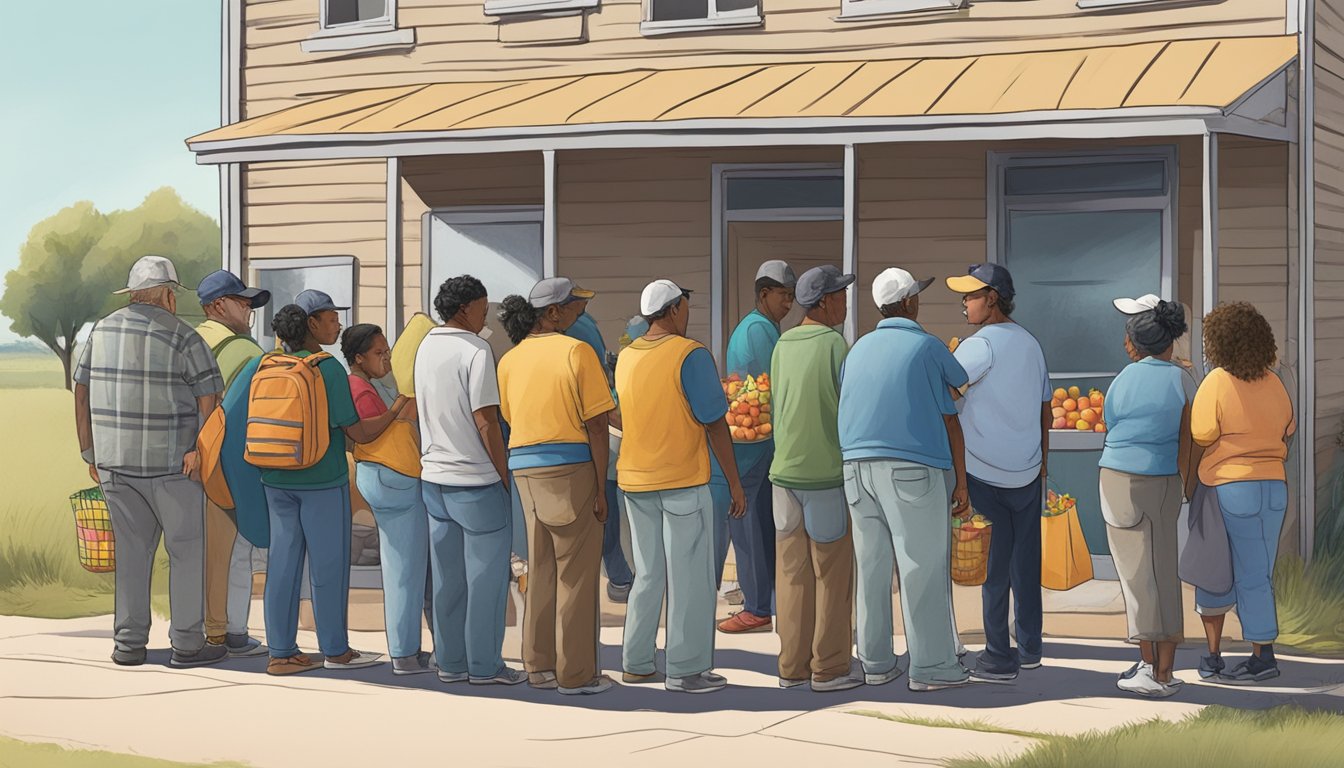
287	420
209	446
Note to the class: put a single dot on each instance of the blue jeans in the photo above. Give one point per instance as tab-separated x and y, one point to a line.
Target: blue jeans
1253	512
403	549
471	532
1014	563
613	559
519	525
753	537
722	501
316	522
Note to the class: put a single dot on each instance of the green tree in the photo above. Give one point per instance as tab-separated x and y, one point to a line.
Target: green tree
45	296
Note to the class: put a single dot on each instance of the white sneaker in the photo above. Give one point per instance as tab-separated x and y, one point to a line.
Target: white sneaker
885	677
1144	684
596	685
353	659
505	676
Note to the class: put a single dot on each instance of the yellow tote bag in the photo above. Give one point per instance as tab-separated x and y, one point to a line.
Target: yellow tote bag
403	352
1065	561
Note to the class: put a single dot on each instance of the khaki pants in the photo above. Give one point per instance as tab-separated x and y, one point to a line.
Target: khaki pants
1141	513
564	544
228	575
814	592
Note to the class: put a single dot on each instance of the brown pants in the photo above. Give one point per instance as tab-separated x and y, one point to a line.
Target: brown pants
814	600
564	544
220	533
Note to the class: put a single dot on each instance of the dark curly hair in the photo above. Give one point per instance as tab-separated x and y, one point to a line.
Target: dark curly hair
1238	339
357	339
456	293
518	317
290	325
1152	332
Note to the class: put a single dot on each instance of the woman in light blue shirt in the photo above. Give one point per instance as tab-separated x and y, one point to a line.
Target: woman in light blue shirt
1147	453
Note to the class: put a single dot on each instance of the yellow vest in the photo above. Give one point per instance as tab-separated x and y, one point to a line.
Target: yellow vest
397	449
663	445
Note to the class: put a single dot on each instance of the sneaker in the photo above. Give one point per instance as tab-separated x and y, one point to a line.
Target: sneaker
1030	664
505	676
244	645
132	658
353	659
596	685
1211	666
1144	684
788	682
705	682
884	677
209	654
618	593
1252	671
742	622
453	677
992	676
630	678
1134	670
734	597
842	683
543	681
418	664
291	665
920	686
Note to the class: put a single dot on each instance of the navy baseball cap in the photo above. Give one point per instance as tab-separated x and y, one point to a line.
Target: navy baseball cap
221	283
980	276
312	302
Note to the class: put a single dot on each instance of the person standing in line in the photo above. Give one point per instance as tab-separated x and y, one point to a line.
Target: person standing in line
229	305
900	435
464	479
672	406
554	392
387	474
310	508
1005	412
815	558
144	385
1243	418
1146	469
619	576
749	350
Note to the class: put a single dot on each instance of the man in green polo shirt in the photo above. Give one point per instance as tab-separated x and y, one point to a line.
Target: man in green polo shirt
228	305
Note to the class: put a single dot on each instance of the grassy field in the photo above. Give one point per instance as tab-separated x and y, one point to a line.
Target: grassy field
30	371
1228	738
40	573
22	753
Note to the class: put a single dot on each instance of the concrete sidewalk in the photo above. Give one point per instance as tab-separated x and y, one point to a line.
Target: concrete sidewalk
58	685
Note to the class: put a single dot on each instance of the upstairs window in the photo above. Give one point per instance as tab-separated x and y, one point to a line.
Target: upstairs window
357	13
672	16
860	8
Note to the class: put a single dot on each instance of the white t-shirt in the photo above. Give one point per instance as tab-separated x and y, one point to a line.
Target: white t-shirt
1001	411
454	378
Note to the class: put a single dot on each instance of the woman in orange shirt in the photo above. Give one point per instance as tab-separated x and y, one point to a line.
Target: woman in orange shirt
1244	419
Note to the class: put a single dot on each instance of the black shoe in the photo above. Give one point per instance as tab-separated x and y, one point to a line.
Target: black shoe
1211	666
1250	672
618	593
209	654
133	658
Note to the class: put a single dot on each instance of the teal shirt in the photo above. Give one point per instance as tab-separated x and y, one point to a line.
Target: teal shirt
749	351
1143	417
330	471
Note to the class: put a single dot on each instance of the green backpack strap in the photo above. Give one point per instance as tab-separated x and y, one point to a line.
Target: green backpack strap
218	348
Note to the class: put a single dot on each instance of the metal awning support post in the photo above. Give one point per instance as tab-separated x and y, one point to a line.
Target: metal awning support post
392	326
850	254
548	223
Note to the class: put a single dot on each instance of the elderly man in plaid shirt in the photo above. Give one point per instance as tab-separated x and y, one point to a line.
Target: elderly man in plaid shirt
144	384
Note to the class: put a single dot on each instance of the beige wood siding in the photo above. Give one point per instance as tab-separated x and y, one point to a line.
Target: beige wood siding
322	208
1329	288
456	41
1253	228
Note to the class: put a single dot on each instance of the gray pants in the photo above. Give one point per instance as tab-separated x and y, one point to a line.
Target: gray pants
142	508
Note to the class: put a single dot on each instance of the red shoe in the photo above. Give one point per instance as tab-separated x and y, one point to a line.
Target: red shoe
742	622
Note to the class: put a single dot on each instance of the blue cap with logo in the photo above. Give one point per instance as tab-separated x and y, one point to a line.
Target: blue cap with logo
313	301
221	283
981	276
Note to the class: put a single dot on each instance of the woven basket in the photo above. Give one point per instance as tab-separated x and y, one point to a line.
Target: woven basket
970	555
93	530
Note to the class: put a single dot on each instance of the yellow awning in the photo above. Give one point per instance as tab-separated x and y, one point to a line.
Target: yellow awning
1207	73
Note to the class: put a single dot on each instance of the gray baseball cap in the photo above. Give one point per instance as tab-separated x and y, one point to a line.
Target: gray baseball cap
779	271
819	281
556	290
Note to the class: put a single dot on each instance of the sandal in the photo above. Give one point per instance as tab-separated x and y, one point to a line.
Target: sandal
291	665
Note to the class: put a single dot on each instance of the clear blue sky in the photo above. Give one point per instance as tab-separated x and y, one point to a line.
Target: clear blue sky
96	99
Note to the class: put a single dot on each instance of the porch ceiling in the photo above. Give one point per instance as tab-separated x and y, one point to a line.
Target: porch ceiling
1183	76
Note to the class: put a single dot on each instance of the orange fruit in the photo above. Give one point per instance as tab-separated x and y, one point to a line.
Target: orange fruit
1074	391
755	411
1070	405
1071	418
1099	428
765	408
764	430
736	433
748	434
1082	426
1056	403
1089	415
1057	412
1097	400
1060	423
1060	394
765	418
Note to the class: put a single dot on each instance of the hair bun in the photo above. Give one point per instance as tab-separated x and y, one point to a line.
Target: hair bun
1171	316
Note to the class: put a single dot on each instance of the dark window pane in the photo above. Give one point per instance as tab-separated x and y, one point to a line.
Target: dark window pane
803	192
726	6
349	11
1141	177
680	10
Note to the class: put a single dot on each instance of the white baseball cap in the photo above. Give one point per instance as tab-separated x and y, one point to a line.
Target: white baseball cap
1135	306
659	295
894	285
779	271
149	272
556	290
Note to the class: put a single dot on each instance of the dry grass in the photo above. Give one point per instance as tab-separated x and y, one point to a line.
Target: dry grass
28	755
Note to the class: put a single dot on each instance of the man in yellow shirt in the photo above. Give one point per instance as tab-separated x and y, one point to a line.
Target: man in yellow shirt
672	408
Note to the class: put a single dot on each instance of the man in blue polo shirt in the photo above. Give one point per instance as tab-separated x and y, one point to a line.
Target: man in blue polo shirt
749	351
899	435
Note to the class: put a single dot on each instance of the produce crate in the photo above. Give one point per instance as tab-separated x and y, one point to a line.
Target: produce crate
93	530
970	552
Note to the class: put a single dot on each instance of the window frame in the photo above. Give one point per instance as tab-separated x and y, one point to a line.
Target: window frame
1085	5
469	214
520	7
257	266
381	33
863	9
713	20
1166	202
383	23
